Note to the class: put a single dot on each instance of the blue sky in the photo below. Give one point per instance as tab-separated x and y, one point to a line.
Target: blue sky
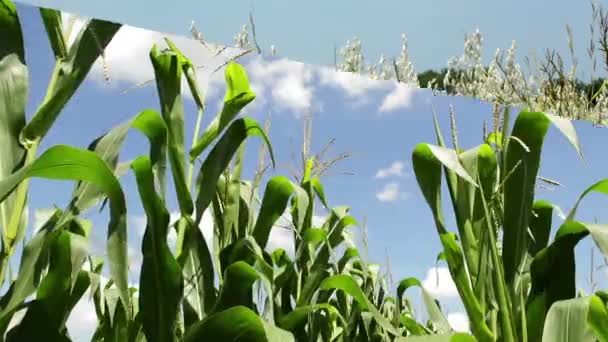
379	123
308	30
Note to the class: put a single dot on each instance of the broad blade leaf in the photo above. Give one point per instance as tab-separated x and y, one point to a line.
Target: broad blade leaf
161	283
68	163
219	158
238	95
276	198
347	284
530	128
236	324
168	71
567	321
13	99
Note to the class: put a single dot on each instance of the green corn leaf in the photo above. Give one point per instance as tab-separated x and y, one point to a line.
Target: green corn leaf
55	297
68	163
530	128
567	321
318	187
428	175
348	285
454	337
236	324
236	289
219	158
232	199
276	197
69	75
161	283
435	314
553	271
52	23
450	160
148	122
190	72
300	316
196	261
597	318
14	83
567	129
599	187
540	226
33	261
238	95
168	73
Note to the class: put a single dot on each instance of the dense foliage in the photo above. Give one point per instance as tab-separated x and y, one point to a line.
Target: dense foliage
235	290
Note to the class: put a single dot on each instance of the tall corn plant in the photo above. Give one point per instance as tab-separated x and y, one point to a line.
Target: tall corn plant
51	261
178	297
520	288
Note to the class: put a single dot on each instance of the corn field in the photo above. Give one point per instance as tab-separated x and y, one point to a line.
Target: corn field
516	282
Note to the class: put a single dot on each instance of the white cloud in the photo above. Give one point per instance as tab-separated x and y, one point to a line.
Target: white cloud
83	319
128	61
399	98
396	169
439	283
281	238
353	84
390	193
288	82
459	321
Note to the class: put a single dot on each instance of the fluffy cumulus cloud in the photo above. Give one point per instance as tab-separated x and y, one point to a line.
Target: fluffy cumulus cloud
353	85
128	62
396	169
459	321
399	98
439	283
288	84
391	192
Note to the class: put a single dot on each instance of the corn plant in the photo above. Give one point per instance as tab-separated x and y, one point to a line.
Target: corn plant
521	287
193	292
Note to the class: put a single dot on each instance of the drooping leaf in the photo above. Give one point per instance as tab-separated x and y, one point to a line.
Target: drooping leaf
69	74
238	95
237	287
161	283
428	175
168	74
53	25
276	198
435	314
236	324
219	158
69	163
108	146
347	284
33	261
